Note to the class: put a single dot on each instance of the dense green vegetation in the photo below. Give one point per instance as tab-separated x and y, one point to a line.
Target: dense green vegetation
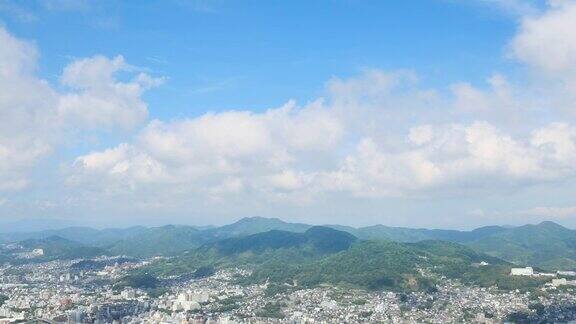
378	265
411	235
305	256
271	310
277	246
254	225
316	240
165	240
369	265
546	245
84	235
4	257
499	276
56	247
323	255
137	280
204	272
172	240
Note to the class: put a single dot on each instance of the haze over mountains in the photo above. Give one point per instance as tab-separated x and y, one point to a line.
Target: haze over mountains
546	245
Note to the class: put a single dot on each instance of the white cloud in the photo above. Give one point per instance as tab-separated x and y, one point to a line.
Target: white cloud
550	212
558	143
377	135
546	42
101	100
274	152
456	158
500	99
26	111
219	152
420	135
34	116
122	166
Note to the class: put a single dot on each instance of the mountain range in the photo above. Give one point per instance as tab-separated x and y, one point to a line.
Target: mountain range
323	255
546	245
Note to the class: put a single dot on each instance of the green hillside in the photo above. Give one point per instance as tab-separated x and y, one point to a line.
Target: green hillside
171	240
253	225
84	235
56	247
410	235
323	255
278	246
546	245
375	265
316	240
165	240
368	264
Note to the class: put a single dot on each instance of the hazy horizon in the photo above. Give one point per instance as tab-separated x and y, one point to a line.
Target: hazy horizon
38	225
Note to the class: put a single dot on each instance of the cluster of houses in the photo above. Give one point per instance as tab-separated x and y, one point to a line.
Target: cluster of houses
186	301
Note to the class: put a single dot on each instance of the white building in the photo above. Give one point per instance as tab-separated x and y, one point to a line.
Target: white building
567	273
196	296
128	294
528	271
544	274
559	282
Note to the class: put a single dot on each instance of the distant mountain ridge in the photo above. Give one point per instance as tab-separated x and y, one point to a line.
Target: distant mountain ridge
84	235
247	226
546	245
253	225
404	234
55	247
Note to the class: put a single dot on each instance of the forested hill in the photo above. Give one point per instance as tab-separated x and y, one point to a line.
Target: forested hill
323	255
546	245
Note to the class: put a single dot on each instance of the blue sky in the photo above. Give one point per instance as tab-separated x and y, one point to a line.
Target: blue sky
256	54
436	113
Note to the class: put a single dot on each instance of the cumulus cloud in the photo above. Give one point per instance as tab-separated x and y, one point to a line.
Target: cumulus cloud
99	99
274	152
455	158
220	152
499	100
546	44
376	135
546	41
26	111
34	115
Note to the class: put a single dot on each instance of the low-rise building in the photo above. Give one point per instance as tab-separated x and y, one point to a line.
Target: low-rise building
527	271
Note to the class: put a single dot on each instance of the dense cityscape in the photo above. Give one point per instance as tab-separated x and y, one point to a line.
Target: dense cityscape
77	291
